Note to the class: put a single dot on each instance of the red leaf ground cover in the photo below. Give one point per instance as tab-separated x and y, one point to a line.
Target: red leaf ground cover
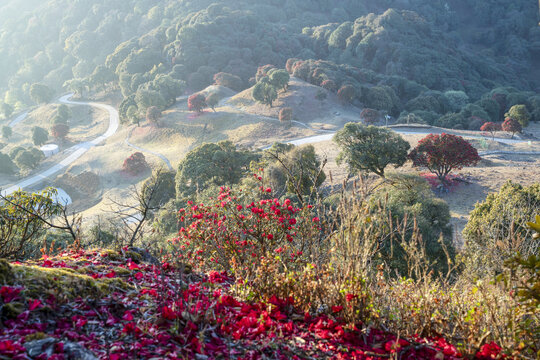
168	314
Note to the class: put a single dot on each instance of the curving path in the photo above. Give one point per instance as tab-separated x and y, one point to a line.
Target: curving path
326	137
18	119
329	134
76	151
161	156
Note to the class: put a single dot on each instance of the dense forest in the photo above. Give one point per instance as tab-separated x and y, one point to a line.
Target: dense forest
440	62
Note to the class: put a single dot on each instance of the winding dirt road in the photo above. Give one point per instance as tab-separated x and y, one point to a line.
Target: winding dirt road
76	151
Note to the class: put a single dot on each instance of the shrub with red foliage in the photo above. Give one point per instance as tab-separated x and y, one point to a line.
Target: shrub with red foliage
512	126
289	65
286	114
443	153
135	164
346	93
60	131
491	127
197	102
370	116
236	236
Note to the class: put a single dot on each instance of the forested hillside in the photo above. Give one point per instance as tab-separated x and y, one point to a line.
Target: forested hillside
457	45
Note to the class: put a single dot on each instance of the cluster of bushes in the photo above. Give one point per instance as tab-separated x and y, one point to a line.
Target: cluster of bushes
22	158
405	43
411	102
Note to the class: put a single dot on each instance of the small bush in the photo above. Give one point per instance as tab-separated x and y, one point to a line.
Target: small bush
135	164
285	114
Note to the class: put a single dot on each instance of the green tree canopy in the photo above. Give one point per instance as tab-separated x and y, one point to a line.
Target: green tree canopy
264	92
20	230
411	196
148	98
279	78
41	93
6	109
6	164
211	164
369	148
497	226
6	132
519	113
39	135
29	159
292	169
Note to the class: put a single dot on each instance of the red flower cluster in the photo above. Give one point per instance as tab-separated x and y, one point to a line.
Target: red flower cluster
236	234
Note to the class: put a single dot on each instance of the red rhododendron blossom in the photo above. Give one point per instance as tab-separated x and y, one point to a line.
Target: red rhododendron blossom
9	293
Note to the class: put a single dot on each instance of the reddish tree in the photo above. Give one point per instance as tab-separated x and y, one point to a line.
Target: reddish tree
135	163
290	64
197	102
286	114
346	93
329	85
512	126
370	116
60	131
443	153
491	127
153	114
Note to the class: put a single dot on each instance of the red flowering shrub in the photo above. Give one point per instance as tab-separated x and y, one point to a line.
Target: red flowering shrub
370	116
346	93
135	164
229	80
60	131
512	126
197	102
491	127
153	114
301	70
262	71
290	64
443	153
234	234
